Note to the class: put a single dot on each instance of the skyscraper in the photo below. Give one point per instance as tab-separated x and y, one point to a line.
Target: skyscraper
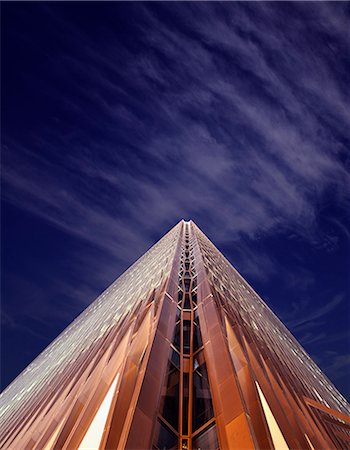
178	353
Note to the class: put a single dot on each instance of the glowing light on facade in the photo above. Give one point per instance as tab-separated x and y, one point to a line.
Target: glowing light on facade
93	437
276	434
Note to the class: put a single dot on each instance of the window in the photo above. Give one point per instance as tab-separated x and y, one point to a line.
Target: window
202	404
206	440
197	338
186	336
165	438
170	398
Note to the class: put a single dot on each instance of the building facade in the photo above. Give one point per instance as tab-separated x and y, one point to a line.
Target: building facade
178	353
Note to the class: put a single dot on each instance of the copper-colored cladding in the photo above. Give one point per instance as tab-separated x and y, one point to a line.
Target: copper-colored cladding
178	353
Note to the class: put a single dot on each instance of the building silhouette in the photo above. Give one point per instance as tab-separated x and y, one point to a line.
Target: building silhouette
178	353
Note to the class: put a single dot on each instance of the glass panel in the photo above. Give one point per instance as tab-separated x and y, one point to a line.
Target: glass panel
165	438
185	404
206	440
198	360
202	404
175	359
197	338
170	398
187	304
194	297
177	336
187	335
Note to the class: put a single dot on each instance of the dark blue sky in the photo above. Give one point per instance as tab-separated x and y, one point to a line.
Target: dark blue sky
119	119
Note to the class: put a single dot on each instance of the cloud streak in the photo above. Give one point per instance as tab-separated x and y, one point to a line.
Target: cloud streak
307	315
262	156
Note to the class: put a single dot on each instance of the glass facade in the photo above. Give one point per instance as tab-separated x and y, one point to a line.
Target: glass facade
178	353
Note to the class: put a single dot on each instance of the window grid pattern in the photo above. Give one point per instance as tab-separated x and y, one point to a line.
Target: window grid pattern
107	312
275	349
186	407
178	353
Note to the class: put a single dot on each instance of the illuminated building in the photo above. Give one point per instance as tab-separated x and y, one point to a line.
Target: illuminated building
178	353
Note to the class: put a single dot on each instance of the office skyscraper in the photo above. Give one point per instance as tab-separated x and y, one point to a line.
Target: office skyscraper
178	353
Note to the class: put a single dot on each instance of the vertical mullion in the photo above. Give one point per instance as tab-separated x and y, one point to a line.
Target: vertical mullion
181	378
185	439
190	382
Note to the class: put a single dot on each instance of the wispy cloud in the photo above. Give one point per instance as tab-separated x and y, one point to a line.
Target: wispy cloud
234	130
218	121
305	314
310	337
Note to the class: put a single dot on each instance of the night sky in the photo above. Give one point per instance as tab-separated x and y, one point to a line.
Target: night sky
120	119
